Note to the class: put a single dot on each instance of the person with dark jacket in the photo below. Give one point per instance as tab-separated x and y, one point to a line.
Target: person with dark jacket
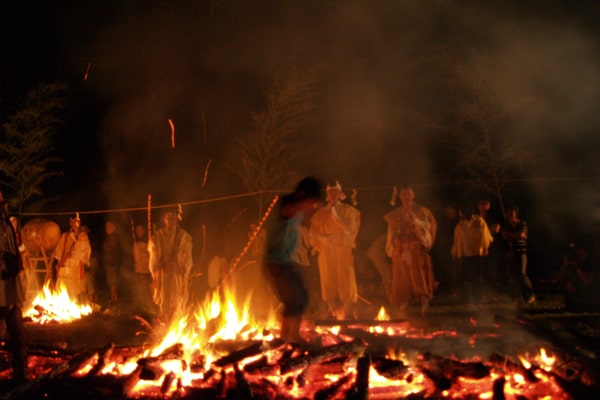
12	295
515	233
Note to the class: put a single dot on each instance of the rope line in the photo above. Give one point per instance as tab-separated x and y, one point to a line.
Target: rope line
249	194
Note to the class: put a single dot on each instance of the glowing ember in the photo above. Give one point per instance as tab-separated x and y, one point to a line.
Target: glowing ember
55	305
201	351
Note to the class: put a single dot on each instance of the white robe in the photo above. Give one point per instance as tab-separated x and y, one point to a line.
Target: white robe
73	252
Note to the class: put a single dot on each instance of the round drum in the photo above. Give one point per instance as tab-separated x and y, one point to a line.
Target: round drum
40	233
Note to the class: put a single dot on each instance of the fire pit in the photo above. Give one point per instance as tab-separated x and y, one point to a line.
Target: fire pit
453	354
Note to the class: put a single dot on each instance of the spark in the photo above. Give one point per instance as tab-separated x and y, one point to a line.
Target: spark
87	71
172	133
206	172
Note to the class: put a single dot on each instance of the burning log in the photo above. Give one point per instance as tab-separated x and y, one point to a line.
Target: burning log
261	365
249	351
390	369
167	382
503	362
58	374
150	372
74	364
221	384
103	356
243	389
444	372
360	390
343	349
331	390
498	389
174	352
129	382
454	369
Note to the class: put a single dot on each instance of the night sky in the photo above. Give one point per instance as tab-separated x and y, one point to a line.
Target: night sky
211	63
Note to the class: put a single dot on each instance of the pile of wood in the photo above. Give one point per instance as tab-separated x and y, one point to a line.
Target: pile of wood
303	371
459	363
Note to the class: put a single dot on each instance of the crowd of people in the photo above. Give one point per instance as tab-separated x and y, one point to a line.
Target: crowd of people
307	257
473	255
141	272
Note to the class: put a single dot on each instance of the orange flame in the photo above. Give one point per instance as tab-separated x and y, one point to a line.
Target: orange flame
55	305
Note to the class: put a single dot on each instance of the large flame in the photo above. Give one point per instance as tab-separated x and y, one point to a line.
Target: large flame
56	305
217	318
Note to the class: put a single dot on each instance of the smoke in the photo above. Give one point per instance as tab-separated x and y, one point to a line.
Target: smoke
391	76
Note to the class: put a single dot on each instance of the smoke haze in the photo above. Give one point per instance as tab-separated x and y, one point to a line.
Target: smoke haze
390	79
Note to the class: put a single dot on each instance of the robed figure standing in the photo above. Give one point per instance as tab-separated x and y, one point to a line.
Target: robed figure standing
410	235
171	263
333	230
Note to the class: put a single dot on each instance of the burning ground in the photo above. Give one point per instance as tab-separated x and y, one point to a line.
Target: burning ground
220	352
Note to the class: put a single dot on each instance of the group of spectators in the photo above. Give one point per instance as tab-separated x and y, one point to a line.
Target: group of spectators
153	269
151	272
473	255
148	272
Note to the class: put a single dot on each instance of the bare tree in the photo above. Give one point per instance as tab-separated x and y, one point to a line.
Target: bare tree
486	154
26	145
267	153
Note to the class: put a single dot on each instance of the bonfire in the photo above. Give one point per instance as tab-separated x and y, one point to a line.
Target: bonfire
218	351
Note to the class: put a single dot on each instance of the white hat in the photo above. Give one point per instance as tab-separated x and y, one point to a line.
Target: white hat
337	187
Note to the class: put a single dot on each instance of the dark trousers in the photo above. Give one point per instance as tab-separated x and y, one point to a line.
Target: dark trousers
288	286
517	268
471	278
17	345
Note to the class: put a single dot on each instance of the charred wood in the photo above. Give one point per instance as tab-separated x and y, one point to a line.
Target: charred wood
357	322
104	355
360	389
171	353
151	372
577	389
197	364
503	362
261	366
193	393
332	390
498	389
130	381
243	390
72	365
221	383
236	356
454	369
167	382
388	368
343	349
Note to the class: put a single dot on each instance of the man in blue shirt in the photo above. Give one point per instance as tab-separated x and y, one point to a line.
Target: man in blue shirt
282	240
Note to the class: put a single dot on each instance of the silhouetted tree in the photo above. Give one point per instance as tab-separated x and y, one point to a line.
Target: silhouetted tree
27	158
268	152
486	154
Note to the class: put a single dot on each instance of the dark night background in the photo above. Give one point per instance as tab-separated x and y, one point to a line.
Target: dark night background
214	61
